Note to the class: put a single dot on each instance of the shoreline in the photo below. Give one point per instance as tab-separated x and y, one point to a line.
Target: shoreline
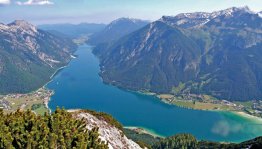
143	130
54	74
44	87
239	113
51	77
46	102
248	116
166	101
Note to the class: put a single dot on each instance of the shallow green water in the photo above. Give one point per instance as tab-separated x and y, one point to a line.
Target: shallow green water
79	86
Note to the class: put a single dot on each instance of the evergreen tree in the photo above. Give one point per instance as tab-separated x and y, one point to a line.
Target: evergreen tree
26	130
181	141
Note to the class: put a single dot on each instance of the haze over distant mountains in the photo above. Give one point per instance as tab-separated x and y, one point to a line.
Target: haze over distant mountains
218	53
96	33
29	56
117	29
73	30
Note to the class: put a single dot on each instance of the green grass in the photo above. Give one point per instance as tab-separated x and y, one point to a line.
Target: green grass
34	101
41	110
178	89
247	104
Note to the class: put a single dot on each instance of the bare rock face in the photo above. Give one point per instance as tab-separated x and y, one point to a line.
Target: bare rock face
108	133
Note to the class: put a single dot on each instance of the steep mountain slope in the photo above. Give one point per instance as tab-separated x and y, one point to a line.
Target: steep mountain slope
74	30
217	53
116	30
231	68
29	56
151	58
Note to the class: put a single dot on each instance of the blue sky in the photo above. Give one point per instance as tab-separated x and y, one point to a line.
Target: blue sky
104	11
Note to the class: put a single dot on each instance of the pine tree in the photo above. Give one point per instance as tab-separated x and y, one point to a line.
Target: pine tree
26	130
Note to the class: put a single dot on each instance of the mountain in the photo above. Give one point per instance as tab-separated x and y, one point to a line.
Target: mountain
216	53
29	56
116	30
148	55
198	19
260	14
73	30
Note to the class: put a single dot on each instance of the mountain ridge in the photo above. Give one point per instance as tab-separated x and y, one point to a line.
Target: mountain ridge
73	30
199	19
117	29
223	47
30	56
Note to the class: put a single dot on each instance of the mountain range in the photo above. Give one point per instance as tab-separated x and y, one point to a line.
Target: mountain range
217	54
73	30
29	56
117	29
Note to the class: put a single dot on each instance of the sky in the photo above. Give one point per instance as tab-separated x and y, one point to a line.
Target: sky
104	11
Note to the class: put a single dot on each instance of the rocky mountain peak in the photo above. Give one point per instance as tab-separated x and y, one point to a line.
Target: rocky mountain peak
117	29
127	21
3	26
22	24
260	14
198	19
233	10
131	20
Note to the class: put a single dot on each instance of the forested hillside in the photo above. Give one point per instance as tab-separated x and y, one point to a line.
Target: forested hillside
217	54
29	56
187	141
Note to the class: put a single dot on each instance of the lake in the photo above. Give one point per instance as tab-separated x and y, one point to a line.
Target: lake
78	86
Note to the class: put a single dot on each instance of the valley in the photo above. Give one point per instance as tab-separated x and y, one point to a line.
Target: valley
78	87
179	79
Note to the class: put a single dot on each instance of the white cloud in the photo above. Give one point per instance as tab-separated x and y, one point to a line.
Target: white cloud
35	2
4	2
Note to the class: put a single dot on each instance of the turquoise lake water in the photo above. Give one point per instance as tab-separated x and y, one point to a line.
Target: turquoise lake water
79	86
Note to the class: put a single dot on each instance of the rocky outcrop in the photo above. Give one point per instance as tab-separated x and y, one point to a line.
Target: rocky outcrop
108	133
